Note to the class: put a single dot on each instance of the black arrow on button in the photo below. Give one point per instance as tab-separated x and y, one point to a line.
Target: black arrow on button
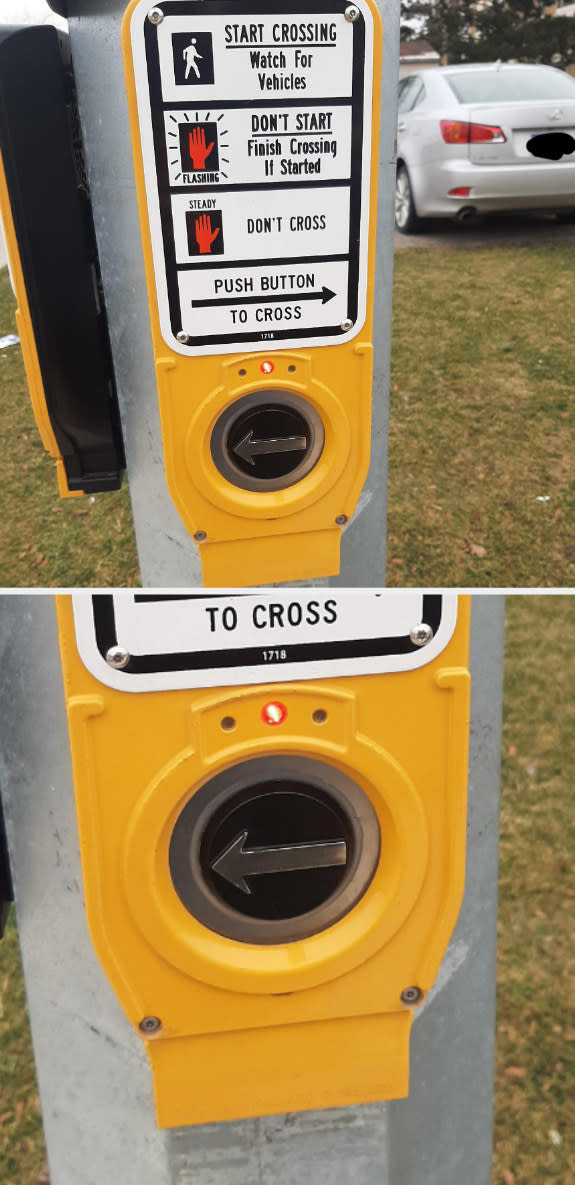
236	861
325	295
248	448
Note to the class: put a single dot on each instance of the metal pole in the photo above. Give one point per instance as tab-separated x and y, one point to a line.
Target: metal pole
167	553
442	1134
96	1093
168	556
363	547
94	1080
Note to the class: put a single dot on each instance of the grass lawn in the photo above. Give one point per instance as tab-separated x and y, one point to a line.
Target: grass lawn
482	426
45	540
483	418
535	1083
535	1075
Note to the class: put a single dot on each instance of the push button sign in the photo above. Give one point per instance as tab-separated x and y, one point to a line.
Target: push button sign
256	126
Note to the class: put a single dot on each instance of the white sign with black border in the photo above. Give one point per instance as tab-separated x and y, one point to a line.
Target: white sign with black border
188	640
255	125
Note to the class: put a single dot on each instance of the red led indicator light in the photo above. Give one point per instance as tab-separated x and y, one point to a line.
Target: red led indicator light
274	713
267	367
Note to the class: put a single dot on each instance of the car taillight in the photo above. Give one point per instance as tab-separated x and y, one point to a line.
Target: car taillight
454	131
457	131
481	133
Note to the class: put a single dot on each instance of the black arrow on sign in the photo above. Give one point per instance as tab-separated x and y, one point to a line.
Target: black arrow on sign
248	448
236	861
325	295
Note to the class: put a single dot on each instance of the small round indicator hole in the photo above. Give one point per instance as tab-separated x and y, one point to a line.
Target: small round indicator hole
242	372
319	716
291	369
228	723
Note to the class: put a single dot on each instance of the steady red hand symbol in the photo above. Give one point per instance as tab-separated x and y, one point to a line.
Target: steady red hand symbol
198	151
204	234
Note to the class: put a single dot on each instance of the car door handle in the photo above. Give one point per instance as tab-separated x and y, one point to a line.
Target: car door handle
401	127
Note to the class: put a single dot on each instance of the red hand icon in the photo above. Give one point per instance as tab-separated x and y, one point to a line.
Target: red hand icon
198	151
204	234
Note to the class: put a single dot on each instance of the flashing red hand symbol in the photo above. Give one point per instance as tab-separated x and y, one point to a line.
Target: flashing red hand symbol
204	234
198	151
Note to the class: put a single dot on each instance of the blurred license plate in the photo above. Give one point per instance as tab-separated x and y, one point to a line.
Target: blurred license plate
521	140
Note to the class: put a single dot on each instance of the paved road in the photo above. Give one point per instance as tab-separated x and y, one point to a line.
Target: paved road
517	230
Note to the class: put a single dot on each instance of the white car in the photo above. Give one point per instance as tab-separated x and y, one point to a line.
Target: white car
462	141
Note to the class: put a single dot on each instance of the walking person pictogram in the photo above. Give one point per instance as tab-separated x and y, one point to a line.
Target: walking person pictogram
193	54
191	58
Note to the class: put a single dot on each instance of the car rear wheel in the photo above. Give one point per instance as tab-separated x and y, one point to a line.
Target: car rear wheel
406	218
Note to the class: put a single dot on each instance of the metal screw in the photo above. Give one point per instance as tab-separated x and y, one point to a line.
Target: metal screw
347	324
411	995
155	16
351	13
341	519
150	1024
118	657
421	634
183	337
200	536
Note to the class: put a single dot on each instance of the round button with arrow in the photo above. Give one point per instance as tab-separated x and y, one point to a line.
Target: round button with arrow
274	850
267	440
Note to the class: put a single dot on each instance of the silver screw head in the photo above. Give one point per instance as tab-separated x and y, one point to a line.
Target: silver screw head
421	634
183	337
341	519
150	1024
411	995
117	657
155	16
347	324
351	13
200	536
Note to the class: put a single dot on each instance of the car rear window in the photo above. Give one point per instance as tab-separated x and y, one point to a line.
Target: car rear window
508	86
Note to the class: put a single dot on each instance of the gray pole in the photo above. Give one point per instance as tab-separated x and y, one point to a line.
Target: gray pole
94	1079
168	556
